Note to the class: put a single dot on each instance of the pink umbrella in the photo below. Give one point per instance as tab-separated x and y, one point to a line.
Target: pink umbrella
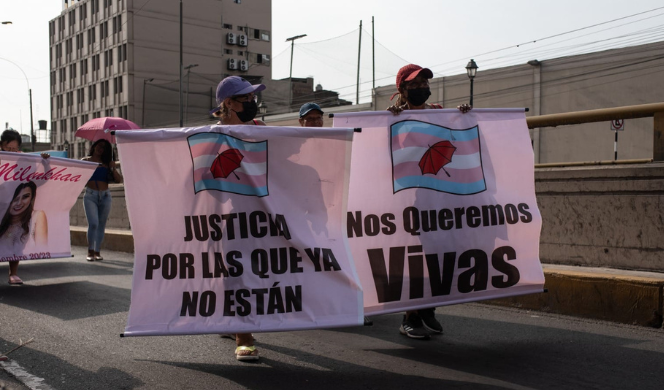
100	128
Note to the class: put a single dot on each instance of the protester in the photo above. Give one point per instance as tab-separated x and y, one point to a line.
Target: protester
236	105
97	198
10	141
311	115
22	226
412	93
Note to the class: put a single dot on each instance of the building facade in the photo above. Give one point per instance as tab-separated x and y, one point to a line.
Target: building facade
122	58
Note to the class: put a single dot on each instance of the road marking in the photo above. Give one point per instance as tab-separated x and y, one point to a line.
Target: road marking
29	380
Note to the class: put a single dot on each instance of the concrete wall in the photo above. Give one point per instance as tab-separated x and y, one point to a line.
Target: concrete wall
601	216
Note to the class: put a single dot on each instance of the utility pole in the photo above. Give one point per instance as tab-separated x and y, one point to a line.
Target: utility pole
181	124
145	81
32	125
359	48
290	77
373	54
186	105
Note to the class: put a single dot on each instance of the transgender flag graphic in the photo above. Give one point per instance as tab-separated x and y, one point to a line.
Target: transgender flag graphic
248	176
457	172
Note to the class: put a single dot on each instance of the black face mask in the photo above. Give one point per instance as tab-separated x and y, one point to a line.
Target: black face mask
249	111
418	96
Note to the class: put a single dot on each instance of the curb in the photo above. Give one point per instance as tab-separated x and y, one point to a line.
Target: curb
628	297
114	239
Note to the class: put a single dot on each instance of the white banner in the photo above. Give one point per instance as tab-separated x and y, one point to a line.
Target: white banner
36	195
239	229
442	207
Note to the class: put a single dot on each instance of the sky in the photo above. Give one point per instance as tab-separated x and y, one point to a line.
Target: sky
440	34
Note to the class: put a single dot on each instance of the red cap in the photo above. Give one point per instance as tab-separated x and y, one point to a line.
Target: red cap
409	72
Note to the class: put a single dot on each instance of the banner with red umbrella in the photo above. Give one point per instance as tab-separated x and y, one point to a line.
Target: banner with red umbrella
226	163
436	157
100	128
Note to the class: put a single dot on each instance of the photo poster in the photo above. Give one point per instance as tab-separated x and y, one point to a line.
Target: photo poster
442	207
36	195
239	229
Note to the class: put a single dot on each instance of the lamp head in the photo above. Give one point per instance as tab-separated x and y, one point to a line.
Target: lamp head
471	69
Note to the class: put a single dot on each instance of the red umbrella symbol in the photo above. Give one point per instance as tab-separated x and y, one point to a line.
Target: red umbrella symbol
225	163
436	157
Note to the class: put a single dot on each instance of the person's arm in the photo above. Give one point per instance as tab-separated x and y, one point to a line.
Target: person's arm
117	177
41	228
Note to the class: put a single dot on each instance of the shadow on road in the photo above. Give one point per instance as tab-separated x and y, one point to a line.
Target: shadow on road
540	355
68	301
68	376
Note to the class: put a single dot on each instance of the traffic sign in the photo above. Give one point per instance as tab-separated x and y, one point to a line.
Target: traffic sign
618	125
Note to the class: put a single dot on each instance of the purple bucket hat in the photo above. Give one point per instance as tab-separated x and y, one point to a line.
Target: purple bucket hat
233	86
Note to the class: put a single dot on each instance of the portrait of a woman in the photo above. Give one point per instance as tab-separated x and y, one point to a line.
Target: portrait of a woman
22	226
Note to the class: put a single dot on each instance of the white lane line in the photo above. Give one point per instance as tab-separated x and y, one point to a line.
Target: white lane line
29	380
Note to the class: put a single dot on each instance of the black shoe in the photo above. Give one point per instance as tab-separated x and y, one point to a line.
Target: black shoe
429	320
413	328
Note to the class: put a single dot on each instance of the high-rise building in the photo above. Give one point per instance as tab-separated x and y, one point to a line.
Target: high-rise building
122	58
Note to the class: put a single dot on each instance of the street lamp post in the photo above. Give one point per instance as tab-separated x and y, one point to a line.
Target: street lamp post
471	70
32	125
186	101
262	109
290	77
145	81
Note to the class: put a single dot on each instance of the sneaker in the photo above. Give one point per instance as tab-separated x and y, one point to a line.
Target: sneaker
429	320
413	328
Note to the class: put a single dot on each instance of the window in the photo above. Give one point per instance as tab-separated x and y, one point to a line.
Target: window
240	28
53	81
72	70
122	53
265	35
92	92
263	59
237	1
240	53
120	23
228	51
91	36
117	85
228	26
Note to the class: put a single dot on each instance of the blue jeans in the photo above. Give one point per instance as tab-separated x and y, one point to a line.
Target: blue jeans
97	205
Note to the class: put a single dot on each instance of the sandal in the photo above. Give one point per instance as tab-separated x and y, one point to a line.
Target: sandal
246	354
15	280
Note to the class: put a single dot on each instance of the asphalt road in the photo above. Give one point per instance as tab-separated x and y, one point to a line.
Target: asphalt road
75	311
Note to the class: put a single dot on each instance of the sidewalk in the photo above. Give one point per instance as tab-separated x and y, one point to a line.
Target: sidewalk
629	297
